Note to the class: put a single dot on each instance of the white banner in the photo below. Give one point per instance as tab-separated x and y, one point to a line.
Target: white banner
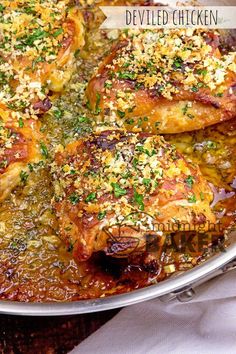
122	17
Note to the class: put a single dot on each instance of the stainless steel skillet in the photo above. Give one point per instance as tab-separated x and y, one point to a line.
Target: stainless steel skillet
181	287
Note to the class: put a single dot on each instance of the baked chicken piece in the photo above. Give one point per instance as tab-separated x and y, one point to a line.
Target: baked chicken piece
19	146
113	188
165	81
39	41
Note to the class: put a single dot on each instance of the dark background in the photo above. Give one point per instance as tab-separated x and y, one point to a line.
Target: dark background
48	335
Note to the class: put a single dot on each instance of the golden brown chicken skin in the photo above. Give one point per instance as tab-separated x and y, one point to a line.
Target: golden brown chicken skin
112	188
165	81
19	146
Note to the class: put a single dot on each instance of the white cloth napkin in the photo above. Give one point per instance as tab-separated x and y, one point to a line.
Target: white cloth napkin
206	325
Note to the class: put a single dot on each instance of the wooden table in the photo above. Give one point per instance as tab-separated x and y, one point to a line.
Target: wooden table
47	335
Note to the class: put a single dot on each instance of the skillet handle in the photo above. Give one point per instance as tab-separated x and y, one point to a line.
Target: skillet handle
186	294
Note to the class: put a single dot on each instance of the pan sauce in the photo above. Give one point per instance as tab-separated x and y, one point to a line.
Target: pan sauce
35	264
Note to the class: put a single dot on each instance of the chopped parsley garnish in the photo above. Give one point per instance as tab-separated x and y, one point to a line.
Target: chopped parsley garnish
194	89
3	164
108	85
126	75
147	182
88	105
126	65
20	122
177	63
29	10
58	32
58	113
83	119
138	85
200	84
189	181
211	144
135	162
129	121
3	78
90	197
43	150
192	199
36	61
185	109
74	198
31	167
189	115
98	99
118	191
23	176
140	120
70	247
145	151
121	114
36	35
76	53
202	72
138	198
19	105
101	215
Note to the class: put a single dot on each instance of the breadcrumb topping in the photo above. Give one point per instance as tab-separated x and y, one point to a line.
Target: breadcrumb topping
32	34
118	174
169	59
7	139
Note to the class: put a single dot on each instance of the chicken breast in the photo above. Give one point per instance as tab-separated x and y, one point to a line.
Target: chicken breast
19	146
39	42
113	189
165	81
